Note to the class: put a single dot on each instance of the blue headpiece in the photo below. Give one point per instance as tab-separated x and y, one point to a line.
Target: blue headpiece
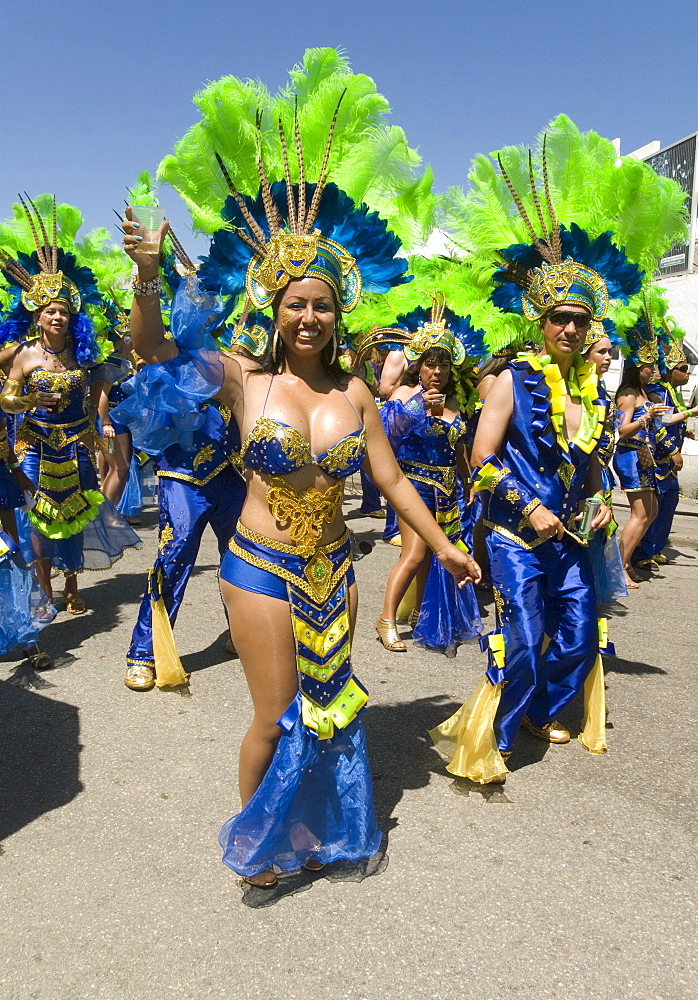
561	266
669	350
252	333
599	329
293	230
441	327
642	340
48	274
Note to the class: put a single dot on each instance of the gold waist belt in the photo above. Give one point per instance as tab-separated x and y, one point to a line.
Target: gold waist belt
304	512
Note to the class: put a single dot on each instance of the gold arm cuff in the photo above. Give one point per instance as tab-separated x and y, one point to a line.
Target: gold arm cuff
12	400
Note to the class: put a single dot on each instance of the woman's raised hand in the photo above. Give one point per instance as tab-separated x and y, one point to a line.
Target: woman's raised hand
460	565
147	263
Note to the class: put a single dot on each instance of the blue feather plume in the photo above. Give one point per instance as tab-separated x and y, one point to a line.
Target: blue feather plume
362	233
623	278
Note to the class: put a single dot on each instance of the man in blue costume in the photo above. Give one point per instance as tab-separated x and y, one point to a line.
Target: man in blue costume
195	488
534	464
674	372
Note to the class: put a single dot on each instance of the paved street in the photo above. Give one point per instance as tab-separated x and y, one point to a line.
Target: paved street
575	881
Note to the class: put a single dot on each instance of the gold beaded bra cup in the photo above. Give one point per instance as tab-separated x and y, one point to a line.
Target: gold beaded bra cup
275	449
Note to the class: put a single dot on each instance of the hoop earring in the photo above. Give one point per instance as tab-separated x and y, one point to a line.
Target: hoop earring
334	347
275	346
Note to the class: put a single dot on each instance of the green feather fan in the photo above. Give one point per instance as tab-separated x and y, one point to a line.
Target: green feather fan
370	159
589	184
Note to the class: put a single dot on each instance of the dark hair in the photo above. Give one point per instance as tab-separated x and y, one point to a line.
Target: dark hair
270	365
432	355
630	379
493	366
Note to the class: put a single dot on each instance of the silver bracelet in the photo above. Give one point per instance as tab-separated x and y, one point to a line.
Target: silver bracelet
151	287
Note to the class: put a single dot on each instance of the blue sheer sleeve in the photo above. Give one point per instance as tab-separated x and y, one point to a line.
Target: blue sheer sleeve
163	403
402	419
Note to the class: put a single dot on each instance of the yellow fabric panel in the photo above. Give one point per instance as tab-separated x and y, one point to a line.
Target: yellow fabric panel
323	642
593	736
337	715
408	602
169	672
467	739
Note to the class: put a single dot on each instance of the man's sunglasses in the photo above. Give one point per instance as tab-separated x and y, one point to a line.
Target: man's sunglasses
681	368
581	320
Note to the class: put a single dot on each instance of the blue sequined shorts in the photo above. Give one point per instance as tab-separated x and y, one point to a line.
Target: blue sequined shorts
264	566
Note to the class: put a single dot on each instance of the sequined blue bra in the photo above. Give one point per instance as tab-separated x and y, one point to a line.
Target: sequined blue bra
275	448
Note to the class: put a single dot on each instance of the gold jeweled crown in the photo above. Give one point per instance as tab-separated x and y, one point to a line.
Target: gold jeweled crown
302	250
50	284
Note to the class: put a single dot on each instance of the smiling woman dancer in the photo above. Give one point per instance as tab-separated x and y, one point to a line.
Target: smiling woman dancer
287	580
72	526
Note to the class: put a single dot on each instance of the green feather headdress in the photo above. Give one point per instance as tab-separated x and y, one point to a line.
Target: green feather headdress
589	187
370	160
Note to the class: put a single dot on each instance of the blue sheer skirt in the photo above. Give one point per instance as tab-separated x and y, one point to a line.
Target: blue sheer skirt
132	499
316	799
97	547
24	608
448	615
314	802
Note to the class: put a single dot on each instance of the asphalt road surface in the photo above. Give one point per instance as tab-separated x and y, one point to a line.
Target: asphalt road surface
574	881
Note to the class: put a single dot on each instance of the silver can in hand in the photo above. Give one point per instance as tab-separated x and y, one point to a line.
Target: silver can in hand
591	509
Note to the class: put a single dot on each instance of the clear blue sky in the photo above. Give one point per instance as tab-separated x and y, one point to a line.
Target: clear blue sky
94	92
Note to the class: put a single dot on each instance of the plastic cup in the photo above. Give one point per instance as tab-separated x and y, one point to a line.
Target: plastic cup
149	219
436	407
667	416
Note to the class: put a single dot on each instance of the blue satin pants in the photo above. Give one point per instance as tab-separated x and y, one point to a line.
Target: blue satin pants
546	591
370	497
185	511
657	535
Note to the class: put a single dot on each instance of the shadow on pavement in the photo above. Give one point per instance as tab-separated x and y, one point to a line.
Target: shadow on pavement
39	756
402	757
291	883
213	654
401	752
617	665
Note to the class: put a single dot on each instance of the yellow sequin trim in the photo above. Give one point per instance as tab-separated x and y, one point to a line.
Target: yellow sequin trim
447	471
193	479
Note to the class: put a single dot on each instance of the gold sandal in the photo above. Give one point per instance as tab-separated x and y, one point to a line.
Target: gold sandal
387	634
74	605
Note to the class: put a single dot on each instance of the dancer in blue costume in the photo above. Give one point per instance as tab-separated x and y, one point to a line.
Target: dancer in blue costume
304	251
674	372
426	431
72	527
534	463
24	608
199	484
638	433
604	552
107	392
